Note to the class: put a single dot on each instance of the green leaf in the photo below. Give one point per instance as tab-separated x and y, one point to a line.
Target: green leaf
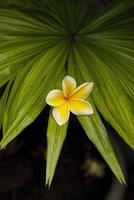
12	60
122	64
55	138
3	101
24	3
35	37
118	55
109	17
25	37
23	24
27	97
95	130
109	96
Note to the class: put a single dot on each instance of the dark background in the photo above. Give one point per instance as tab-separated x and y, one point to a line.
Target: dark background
22	167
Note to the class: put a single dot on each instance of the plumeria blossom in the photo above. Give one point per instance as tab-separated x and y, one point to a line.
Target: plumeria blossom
70	99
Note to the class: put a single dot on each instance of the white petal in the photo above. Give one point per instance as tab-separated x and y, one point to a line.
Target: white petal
82	92
68	85
61	114
55	98
80	107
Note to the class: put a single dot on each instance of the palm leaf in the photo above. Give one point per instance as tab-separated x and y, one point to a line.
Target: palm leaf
20	112
3	101
37	39
55	138
94	127
109	96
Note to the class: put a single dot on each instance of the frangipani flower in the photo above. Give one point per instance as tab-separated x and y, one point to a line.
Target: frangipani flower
70	99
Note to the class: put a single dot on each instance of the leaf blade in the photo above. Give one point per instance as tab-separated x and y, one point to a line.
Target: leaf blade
55	138
95	129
